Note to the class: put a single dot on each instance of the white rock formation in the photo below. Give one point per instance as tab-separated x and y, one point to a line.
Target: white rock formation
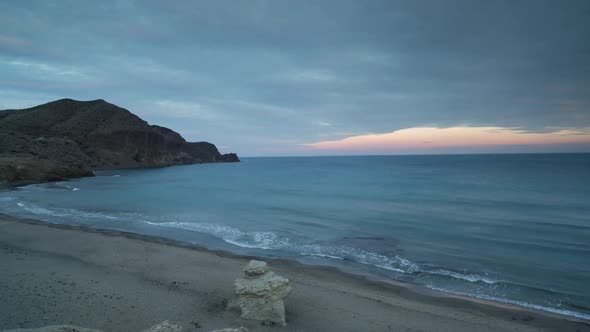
165	326
259	296
239	329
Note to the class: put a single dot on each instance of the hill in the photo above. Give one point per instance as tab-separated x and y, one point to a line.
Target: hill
69	138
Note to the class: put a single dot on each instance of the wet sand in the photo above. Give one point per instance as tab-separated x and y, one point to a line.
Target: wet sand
55	274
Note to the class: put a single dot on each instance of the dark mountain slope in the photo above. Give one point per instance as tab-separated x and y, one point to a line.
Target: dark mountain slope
68	138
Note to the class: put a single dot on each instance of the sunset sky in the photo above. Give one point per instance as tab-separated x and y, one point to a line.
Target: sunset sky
316	77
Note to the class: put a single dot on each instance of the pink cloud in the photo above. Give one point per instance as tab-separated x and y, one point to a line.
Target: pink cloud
432	137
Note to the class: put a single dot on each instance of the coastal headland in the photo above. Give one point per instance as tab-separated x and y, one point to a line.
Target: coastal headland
67	138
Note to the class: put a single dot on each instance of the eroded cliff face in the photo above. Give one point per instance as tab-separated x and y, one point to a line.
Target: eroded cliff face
68	138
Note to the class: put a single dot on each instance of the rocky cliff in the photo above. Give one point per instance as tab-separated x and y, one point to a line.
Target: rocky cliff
68	138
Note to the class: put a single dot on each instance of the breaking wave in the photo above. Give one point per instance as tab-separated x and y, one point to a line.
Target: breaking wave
514	302
73	188
34	209
467	277
70	213
265	240
272	241
258	240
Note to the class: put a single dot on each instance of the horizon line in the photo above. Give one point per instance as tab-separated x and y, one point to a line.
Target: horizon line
413	154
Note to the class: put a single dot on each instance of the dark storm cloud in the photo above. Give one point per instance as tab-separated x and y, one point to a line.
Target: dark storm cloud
260	77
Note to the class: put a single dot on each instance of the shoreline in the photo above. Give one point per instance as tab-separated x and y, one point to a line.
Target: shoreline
8	186
367	277
372	289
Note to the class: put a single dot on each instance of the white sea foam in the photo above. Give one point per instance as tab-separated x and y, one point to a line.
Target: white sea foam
326	256
75	189
391	263
271	241
467	277
68	213
258	240
88	214
518	303
38	210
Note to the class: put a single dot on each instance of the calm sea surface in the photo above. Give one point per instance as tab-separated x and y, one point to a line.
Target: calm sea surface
510	228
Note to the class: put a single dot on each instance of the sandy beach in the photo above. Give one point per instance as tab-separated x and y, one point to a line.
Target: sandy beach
53	274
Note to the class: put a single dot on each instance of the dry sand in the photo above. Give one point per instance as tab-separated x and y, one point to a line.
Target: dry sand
114	281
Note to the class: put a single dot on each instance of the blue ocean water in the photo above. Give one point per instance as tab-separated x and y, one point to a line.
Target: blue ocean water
509	228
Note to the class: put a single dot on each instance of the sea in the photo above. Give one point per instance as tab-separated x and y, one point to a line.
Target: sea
511	228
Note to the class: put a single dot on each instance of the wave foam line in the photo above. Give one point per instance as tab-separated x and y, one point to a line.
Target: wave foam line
253	240
467	277
69	213
565	312
271	241
39	210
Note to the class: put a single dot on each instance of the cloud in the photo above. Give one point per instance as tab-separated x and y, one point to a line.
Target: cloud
432	138
311	76
184	110
247	73
322	124
44	70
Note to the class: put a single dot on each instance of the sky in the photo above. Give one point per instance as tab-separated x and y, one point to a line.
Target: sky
321	77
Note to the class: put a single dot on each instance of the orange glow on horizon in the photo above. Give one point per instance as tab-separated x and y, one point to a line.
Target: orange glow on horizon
433	137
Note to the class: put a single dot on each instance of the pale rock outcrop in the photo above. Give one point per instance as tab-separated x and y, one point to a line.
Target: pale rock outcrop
239	329
255	268
259	296
165	326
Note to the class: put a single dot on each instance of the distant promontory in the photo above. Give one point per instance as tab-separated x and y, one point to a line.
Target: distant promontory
68	138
